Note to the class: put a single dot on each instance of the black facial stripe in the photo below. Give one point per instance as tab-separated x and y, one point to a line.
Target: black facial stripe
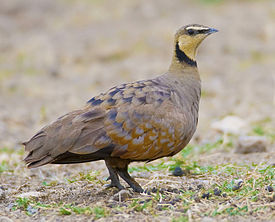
195	31
182	57
203	31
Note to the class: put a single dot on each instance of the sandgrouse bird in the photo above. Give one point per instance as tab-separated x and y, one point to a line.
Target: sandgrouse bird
139	121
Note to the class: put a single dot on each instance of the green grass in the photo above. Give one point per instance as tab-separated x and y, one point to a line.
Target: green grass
97	212
255	177
8	150
239	181
180	219
233	211
264	127
269	133
64	211
5	167
30	207
69	209
49	184
89	176
191	150
189	167
139	206
8	164
25	204
22	203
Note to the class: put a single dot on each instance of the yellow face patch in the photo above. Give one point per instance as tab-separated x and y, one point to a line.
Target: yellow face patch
189	44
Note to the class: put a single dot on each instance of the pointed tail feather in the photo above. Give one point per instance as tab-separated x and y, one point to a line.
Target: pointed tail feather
43	161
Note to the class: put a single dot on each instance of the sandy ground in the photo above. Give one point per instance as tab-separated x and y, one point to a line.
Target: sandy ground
56	55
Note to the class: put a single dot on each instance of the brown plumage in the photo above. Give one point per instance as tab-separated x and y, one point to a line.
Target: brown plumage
139	121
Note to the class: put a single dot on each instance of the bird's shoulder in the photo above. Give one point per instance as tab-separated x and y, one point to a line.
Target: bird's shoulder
135	94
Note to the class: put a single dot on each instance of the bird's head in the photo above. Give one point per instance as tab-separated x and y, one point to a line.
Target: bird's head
187	40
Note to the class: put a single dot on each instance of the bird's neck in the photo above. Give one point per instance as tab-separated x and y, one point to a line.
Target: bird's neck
185	55
182	60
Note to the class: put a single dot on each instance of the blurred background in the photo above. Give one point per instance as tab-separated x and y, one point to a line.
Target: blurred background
56	55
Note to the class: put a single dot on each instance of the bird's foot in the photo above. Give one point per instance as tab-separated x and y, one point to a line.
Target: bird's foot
117	185
131	181
137	189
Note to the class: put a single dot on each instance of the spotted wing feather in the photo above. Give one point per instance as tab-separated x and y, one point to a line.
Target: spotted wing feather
142	121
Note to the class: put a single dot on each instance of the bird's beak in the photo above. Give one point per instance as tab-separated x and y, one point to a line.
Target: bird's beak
211	30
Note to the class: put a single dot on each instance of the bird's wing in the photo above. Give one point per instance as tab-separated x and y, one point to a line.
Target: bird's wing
143	121
74	130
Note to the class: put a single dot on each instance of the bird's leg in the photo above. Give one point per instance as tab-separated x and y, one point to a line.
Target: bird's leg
113	177
123	173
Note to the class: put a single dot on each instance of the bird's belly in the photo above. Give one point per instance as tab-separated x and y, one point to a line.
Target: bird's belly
159	144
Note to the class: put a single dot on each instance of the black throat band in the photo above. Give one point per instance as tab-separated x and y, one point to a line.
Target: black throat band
182	57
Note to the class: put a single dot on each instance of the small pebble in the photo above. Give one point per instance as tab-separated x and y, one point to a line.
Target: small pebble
5	219
175	190
217	192
172	202
111	205
31	210
236	187
10	206
170	189
269	188
251	144
2	194
224	195
122	195
177	199
154	190
178	172
197	199
240	182
200	186
159	207
229	124
205	195
122	205
148	192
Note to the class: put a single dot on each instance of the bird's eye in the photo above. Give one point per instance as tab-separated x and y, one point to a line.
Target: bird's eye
191	31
